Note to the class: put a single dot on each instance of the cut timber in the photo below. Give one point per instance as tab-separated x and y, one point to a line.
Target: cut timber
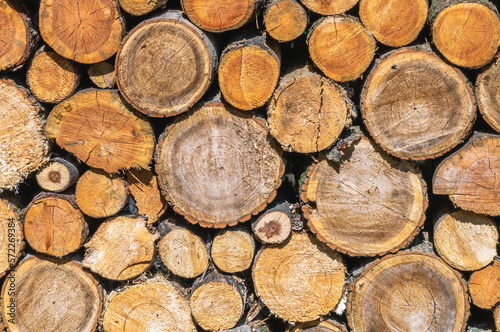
488	94
24	148
467	33
469	176
84	31
328	325
100	130
17	36
299	280
102	74
182	250
67	298
275	225
368	205
395	22
54	225
285	20
165	65
408	292
308	112
156	305
57	175
233	250
465	240
218	166
141	7
100	194
52	78
220	15
329	7
415	105
484	284
143	185
11	236
120	249
217	301
341	47
249	70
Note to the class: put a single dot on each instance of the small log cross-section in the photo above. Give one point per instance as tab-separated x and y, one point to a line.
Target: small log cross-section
368	205
465	240
100	194
218	166
466	32
57	175
299	280
395	22
50	295
329	7
101	131
156	305
415	105
408	292
120	249
484	285
143	185
53	225
308	112
165	65
285	20
488	94
328	325
341	47
469	176
11	236
141	7
233	249
274	225
102	74
84	31
23	147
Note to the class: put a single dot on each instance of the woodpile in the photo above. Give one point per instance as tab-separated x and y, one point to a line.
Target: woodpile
249	165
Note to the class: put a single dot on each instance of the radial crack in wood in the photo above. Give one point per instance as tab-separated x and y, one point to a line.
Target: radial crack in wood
285	20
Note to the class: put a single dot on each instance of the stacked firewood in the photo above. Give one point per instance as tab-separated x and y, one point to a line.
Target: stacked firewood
247	165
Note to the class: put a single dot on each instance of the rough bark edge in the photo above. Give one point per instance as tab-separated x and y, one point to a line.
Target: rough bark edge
369	266
238	113
209	41
72	167
479	80
405	243
427	50
437	6
22	241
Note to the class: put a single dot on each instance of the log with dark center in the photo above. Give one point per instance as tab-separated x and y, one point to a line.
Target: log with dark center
57	175
274	225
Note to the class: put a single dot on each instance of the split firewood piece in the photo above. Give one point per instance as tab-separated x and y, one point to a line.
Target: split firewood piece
408	292
328	325
17	36
299	280
210	171
329	7
469	176
11	235
100	130
120	249
51	77
143	185
285	20
220	15
233	250
57	175
484	284
465	240
368	205
100	194
394	23
275	225
217	301
24	148
69	299
166	64
467	33
83	31
54	225
412	114
182	250
102	74
308	112
488	94
249	70
153	305
341	47
141	7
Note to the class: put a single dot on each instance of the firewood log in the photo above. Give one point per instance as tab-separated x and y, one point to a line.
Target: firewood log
484	284
488	94
102	74
285	20
143	185
141	7
233	250
274	225
328	325
57	175
329	7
